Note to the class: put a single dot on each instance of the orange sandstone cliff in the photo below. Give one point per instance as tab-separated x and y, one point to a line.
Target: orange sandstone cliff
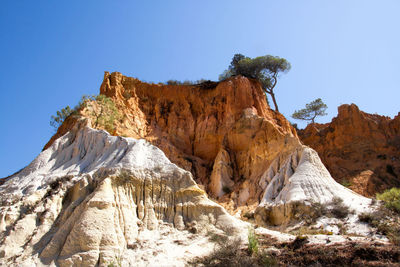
90	198
224	133
359	149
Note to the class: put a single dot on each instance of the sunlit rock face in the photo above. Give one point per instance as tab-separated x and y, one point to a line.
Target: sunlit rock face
90	198
138	195
301	178
224	133
359	149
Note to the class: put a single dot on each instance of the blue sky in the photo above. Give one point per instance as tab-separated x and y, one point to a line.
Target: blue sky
53	52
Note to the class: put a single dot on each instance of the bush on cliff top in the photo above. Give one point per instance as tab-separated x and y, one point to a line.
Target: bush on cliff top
391	198
60	117
101	108
188	82
105	113
265	69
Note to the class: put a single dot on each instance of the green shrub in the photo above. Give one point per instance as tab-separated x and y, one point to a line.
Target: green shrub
105	115
217	238
108	113
62	114
391	198
346	183
176	82
187	82
338	209
228	253
84	102
253	242
386	222
309	214
173	82
266	260
225	254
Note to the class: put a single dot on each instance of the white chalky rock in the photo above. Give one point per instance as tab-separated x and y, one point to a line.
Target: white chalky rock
90	199
302	177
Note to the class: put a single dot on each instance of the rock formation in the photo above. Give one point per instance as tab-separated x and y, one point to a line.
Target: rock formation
89	198
139	195
226	132
359	149
301	177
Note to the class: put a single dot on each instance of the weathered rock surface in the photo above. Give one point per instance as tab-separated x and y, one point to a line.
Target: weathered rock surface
359	149
301	177
91	199
225	136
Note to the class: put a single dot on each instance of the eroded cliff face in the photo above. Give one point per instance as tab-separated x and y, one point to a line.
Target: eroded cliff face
223	133
301	179
359	149
91	198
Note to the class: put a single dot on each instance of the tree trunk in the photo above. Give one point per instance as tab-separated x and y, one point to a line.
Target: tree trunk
313	118
273	99
271	91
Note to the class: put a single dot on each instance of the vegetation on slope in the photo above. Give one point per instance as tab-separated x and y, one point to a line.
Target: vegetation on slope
100	108
391	197
265	69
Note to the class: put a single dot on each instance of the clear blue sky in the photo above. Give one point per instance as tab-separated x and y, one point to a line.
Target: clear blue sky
53	52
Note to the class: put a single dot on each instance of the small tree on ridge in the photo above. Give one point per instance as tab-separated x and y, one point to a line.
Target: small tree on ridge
265	69
62	114
312	110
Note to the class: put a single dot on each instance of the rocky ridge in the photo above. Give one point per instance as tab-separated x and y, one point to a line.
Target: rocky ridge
140	196
359	149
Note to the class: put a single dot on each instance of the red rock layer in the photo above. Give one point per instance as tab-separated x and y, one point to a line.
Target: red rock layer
359	149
